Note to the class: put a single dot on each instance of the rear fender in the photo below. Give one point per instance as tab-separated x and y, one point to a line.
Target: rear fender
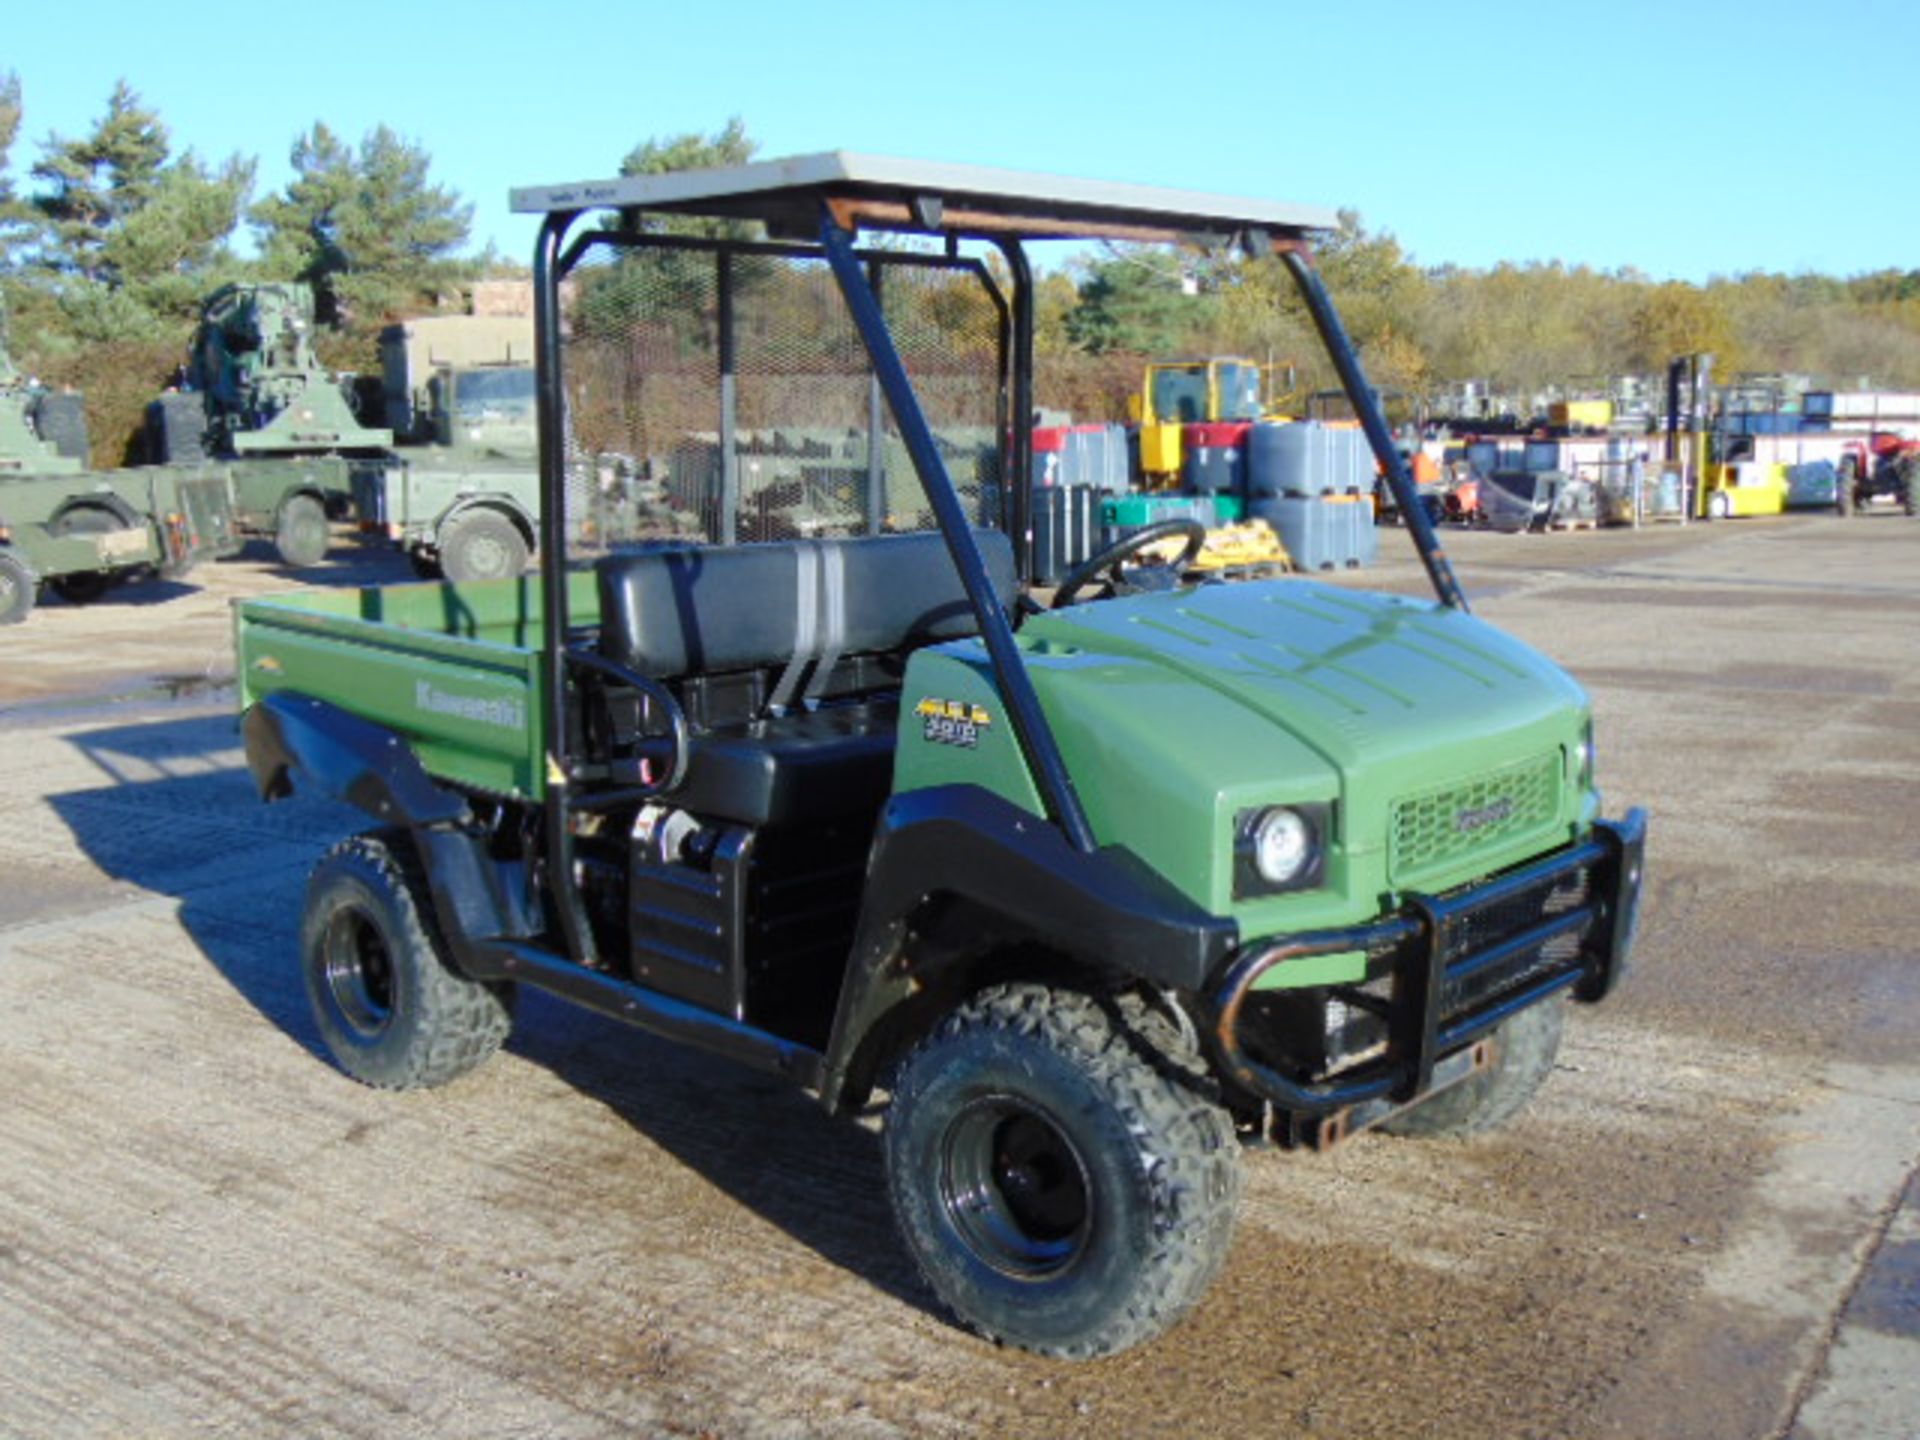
113	504
343	757
476	896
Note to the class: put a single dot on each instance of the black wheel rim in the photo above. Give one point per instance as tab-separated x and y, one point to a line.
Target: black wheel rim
357	971
1015	1188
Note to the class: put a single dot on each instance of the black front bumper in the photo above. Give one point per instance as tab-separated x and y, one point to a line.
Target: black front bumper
1447	970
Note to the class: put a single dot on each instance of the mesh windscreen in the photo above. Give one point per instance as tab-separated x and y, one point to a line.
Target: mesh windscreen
783	432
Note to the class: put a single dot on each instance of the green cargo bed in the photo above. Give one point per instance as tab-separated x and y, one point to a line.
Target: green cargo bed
454	669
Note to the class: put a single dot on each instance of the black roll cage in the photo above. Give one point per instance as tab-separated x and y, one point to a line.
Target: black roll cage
840	212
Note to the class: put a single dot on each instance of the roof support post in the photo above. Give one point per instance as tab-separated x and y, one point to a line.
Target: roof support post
557	793
1030	727
1365	405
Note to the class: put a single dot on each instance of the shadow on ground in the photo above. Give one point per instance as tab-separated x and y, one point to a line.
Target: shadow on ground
348	562
176	814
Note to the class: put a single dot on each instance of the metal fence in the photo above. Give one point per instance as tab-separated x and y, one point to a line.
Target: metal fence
719	390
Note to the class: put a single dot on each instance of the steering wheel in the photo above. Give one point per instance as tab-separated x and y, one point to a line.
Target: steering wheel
663	758
1108	565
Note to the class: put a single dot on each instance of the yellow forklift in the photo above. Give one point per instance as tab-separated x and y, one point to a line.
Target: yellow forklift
1221	389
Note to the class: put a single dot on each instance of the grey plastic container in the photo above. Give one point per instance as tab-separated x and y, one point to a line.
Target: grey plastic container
1320	534
1305	457
1066	529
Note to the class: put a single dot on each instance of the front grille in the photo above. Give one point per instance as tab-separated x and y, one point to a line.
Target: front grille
1472	937
1438	827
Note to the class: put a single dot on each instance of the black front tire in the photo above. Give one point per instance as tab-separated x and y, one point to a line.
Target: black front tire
301	533
1064	1183
1524	1051
19	588
482	545
391	1008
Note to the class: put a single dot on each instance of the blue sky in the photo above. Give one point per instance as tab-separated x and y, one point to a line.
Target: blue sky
1681	139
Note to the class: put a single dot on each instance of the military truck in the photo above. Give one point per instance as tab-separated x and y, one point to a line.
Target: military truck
464	500
254	392
424	361
1097	895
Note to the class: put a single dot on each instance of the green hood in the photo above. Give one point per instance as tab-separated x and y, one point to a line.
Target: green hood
1177	712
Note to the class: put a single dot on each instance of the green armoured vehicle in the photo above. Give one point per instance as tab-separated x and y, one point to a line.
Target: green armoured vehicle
257	400
81	534
1096	894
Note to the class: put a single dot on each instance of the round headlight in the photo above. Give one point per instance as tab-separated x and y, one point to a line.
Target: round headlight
1282	846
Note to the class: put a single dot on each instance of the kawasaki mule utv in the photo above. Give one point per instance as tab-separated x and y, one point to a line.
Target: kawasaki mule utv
1097	894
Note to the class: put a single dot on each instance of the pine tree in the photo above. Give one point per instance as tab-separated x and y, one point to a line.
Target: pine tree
129	235
365	227
646	283
15	217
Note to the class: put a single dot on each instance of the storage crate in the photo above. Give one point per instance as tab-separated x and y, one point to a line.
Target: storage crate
1306	457
1320	532
1127	513
1065	529
1215	460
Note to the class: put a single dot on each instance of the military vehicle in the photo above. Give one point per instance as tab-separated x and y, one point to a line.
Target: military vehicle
422	360
79	533
256	393
464	500
1096	894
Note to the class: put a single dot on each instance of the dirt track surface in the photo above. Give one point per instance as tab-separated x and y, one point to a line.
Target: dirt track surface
206	1230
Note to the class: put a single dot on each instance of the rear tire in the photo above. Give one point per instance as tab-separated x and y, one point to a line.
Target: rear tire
390	1006
1524	1051
301	533
1060	1190
18	589
482	545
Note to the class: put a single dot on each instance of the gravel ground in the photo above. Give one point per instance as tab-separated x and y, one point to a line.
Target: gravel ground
1695	1231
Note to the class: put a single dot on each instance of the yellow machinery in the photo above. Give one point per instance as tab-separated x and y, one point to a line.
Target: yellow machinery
1745	487
1188	392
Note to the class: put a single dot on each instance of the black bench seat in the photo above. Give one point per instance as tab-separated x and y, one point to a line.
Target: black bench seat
820	741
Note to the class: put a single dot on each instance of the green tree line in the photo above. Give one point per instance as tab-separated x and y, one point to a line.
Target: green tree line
110	239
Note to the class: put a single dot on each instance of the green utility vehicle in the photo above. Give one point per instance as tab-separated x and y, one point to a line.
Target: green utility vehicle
1097	895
